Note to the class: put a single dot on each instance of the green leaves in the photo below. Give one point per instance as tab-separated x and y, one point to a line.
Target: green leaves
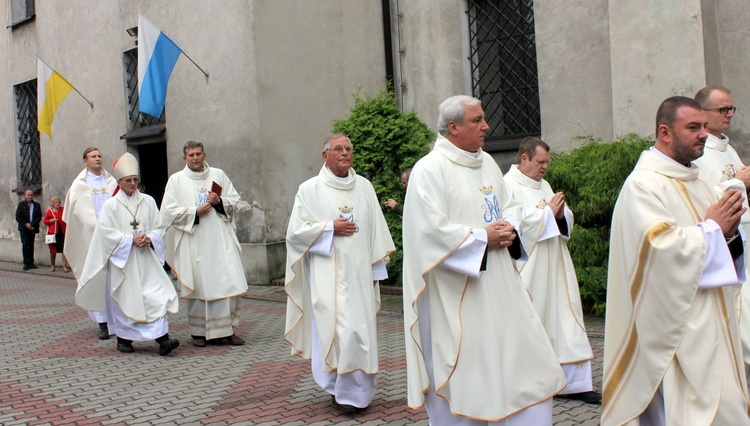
591	177
386	142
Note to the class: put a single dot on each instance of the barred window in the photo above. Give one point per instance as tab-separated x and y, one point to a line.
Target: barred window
29	153
502	47
136	119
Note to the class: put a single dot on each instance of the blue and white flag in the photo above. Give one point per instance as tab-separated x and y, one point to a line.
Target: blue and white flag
157	55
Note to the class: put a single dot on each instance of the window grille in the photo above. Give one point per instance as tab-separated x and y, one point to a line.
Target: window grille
136	119
502	47
29	152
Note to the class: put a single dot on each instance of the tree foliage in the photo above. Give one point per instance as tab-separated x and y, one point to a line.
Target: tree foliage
386	141
591	177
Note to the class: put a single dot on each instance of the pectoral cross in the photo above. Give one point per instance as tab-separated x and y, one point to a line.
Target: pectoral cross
135	224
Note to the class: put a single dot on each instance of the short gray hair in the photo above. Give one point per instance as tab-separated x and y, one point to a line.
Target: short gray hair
452	109
328	140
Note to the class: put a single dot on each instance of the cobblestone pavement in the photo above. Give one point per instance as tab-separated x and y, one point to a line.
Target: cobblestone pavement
55	371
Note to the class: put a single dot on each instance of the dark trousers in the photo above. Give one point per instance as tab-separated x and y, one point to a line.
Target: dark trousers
27	246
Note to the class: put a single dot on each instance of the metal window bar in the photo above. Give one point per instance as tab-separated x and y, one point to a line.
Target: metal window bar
29	152
502	48
136	119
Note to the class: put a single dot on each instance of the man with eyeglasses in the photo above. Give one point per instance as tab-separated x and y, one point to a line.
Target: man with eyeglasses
337	248
199	207
83	202
123	273
721	166
672	354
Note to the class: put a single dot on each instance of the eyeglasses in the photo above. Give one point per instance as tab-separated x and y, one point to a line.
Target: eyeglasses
129	180
339	149
722	110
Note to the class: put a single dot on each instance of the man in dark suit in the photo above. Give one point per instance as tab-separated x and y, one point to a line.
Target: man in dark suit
28	216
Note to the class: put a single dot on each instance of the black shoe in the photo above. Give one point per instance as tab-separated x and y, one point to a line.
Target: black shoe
167	345
589	397
125	346
103	331
344	408
32	266
25	268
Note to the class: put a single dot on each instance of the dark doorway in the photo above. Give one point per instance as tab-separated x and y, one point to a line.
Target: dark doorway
153	162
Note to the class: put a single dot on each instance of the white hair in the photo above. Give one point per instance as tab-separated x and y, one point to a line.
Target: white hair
452	109
327	143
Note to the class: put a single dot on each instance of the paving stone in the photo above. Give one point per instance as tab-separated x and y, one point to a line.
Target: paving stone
58	372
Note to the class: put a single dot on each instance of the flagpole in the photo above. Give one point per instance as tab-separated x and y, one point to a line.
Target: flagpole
197	66
74	88
84	98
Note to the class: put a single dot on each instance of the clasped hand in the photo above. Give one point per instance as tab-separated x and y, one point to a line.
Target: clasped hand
141	240
727	212
499	234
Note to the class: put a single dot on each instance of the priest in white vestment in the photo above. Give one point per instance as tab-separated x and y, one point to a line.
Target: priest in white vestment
721	166
476	350
548	273
672	350
83	202
123	273
202	248
337	249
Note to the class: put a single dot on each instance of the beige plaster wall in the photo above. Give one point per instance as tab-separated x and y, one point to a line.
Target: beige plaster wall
280	72
575	79
656	52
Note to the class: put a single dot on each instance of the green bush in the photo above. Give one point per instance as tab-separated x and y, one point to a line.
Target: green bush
591	177
386	141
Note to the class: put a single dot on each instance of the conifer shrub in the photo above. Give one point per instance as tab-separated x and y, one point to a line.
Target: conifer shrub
591	177
386	141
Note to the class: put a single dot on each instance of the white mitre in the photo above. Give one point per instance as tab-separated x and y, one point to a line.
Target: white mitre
126	165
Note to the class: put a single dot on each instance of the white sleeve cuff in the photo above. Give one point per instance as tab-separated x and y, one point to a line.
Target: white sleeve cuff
467	259
120	256
324	244
719	267
379	272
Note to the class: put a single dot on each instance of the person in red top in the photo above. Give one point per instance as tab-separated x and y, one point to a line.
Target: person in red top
56	226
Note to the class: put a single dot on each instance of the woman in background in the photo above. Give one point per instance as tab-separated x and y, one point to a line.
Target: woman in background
55	226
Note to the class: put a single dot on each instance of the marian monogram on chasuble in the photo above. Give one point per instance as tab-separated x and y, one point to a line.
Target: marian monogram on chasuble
202	196
729	172
347	212
491	207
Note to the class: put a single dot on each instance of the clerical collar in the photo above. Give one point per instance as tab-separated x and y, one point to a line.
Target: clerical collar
474	154
718	144
661	154
94	175
339	178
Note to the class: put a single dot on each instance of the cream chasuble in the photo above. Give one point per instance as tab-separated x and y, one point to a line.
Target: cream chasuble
138	283
718	165
205	257
80	214
490	352
665	335
341	292
549	274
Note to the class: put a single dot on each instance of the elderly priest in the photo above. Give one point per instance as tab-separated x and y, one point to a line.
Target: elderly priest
124	263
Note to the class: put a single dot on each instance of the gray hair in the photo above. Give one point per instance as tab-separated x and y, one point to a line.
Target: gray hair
328	140
452	109
191	145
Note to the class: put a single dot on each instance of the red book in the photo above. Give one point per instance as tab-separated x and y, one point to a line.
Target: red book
215	187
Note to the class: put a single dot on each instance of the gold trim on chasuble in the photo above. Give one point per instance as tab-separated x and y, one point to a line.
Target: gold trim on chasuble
627	354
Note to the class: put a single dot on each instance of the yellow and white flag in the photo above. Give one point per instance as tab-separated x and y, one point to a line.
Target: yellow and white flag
52	88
